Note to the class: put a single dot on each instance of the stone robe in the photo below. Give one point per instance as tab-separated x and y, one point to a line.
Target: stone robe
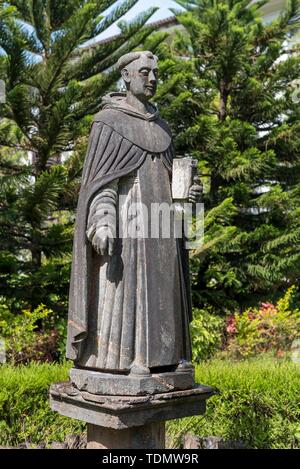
132	308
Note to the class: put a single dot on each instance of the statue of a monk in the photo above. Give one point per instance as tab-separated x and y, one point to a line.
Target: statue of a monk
130	305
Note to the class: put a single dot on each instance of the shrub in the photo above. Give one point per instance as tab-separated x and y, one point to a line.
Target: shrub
31	335
25	414
258	402
61	328
206	333
269	327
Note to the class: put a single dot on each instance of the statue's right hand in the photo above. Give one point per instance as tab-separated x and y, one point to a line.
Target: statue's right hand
103	242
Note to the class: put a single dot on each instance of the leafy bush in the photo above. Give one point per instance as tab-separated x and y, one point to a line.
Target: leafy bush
31	335
25	414
61	328
206	332
269	327
258	402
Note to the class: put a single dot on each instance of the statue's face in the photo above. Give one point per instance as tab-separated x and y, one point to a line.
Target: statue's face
141	75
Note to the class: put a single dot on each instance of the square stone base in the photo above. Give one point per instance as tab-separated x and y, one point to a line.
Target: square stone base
123	412
95	382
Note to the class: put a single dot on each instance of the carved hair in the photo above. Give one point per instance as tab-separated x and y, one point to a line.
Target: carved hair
132	56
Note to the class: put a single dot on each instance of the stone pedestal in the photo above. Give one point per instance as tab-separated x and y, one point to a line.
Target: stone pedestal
151	436
95	382
127	421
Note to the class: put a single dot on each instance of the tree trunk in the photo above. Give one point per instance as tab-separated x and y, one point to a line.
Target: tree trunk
214	187
36	252
224	93
36	257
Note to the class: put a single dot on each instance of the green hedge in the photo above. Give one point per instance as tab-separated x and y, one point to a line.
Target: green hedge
258	403
25	415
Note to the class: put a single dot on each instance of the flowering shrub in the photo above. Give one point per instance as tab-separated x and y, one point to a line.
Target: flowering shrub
269	327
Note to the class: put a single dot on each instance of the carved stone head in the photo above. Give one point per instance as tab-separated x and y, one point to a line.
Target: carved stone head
140	72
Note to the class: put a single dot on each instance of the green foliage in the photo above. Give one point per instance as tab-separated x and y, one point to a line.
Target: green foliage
61	328
267	328
206	331
25	415
5	11
257	402
38	335
54	80
226	92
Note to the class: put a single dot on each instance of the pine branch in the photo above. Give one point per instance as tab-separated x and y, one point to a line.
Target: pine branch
114	16
100	57
287	239
41	198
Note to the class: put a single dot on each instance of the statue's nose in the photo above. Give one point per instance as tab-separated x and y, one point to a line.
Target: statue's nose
152	77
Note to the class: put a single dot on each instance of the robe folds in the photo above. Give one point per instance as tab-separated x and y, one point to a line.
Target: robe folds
133	308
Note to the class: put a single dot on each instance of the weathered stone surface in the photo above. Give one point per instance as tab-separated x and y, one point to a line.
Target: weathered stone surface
76	441
58	445
151	436
95	382
191	442
122	412
211	442
216	442
182	177
130	302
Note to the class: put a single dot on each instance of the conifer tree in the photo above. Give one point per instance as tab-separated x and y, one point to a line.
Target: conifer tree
55	80
228	94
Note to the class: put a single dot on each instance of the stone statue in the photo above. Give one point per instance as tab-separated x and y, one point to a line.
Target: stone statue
130	306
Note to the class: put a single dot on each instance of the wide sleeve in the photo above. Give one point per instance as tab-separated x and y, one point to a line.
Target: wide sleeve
102	212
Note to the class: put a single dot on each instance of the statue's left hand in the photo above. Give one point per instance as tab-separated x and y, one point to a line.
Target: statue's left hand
103	242
196	191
